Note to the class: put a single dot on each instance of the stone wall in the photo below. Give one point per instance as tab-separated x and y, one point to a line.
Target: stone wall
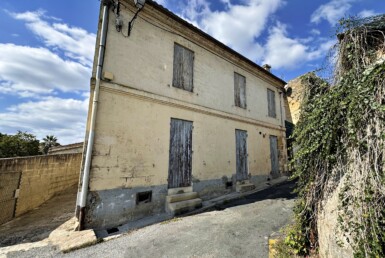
26	183
331	240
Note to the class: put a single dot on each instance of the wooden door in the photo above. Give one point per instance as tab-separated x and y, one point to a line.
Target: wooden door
274	156
241	155
179	174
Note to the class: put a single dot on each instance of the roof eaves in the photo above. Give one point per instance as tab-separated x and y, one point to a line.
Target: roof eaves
207	36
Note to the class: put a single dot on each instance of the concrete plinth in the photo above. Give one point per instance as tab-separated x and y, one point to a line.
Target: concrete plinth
177	208
246	186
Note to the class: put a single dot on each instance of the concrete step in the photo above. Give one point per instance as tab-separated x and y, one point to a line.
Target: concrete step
241	188
181	197
177	208
180	190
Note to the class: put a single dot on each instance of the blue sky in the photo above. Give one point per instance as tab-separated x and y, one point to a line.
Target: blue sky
46	50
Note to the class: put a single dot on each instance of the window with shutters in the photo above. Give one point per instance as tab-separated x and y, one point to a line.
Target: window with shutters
183	68
271	103
239	90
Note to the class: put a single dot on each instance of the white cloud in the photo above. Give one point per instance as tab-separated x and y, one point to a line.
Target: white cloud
227	3
28	72
241	25
76	43
196	9
367	13
289	53
41	74
315	32
64	118
161	2
331	11
34	71
237	26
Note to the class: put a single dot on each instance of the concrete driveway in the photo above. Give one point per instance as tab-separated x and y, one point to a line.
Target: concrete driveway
37	224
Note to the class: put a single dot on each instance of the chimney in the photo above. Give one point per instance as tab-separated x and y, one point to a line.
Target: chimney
267	67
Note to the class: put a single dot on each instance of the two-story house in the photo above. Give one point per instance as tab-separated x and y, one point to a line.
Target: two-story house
175	117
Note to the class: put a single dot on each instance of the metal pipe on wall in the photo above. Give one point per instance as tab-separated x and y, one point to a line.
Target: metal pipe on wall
90	142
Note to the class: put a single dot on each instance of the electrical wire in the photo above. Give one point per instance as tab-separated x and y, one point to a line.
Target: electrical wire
186	38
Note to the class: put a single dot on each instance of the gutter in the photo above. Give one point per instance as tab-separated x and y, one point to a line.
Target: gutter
90	142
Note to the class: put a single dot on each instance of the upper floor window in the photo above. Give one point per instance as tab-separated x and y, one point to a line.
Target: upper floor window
271	103
183	68
239	90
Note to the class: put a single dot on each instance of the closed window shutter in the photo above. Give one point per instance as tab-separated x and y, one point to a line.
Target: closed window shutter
183	68
239	90
271	103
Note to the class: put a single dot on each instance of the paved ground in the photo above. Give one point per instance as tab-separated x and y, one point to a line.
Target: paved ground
239	228
37	224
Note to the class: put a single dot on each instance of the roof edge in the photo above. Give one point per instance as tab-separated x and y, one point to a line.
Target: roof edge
207	36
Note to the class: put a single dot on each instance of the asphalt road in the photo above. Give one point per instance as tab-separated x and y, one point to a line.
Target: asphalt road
239	228
280	191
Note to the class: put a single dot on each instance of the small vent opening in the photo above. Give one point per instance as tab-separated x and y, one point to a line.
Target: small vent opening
143	197
229	184
112	230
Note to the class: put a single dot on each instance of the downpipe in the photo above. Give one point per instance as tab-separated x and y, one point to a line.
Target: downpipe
90	142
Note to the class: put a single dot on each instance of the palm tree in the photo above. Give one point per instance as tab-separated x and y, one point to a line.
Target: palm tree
48	142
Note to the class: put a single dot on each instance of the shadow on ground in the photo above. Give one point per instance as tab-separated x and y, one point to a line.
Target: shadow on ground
37	224
280	191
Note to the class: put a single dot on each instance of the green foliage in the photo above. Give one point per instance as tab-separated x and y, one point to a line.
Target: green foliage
20	144
48	142
295	240
340	134
282	250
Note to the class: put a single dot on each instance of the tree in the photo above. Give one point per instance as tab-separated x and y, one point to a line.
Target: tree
20	144
48	142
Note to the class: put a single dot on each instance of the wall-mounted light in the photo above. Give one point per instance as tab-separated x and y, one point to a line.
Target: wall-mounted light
118	23
139	4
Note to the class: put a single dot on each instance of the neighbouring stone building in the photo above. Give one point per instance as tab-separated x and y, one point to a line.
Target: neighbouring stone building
294	100
67	149
181	118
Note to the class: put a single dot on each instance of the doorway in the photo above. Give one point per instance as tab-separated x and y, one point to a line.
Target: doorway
180	158
241	155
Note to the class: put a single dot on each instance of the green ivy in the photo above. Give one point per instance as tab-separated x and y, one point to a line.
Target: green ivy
340	131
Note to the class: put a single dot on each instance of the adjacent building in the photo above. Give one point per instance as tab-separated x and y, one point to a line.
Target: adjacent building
181	118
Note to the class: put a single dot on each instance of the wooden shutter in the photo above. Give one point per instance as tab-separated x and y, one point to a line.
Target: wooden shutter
180	159
183	68
274	156
271	103
241	155
239	90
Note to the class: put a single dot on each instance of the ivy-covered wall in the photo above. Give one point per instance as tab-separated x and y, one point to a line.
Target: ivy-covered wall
341	135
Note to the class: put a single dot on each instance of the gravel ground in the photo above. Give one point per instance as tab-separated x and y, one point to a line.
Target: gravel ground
239	228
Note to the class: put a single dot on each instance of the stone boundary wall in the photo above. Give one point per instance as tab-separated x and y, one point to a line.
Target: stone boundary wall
27	182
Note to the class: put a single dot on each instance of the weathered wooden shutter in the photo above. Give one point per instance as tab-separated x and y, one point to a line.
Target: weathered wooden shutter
274	156
180	153
271	103
183	68
241	154
240	90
